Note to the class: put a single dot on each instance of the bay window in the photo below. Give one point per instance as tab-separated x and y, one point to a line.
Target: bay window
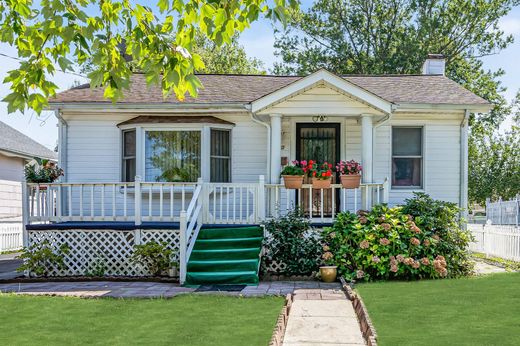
180	154
407	157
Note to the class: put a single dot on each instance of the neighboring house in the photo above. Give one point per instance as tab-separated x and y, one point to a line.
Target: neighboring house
409	132
16	150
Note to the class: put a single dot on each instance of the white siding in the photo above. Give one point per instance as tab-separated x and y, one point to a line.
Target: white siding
320	100
10	199
441	155
11	168
94	148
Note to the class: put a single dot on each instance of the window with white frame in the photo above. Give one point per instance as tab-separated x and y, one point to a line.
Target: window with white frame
407	157
176	155
220	156
128	171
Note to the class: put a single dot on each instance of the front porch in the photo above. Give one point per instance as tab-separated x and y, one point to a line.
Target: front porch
106	220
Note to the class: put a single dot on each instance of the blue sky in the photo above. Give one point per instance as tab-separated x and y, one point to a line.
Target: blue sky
258	42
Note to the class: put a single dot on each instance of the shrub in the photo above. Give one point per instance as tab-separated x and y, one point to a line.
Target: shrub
419	240
41	258
154	256
442	219
292	241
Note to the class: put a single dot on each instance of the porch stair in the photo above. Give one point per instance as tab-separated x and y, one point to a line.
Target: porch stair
225	256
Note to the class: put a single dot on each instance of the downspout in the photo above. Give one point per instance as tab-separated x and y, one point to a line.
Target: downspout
268	127
62	143
380	123
463	202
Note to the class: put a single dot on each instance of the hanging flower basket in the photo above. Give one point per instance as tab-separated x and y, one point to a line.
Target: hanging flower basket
350	181
321	183
293	181
350	174
293	174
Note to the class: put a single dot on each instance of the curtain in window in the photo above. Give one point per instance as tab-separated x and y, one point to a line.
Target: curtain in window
220	156
172	156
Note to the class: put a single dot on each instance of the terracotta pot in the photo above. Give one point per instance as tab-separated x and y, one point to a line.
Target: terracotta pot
328	273
350	181
293	181
320	184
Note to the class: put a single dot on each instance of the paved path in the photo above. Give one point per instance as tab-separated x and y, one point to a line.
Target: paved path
322	317
150	289
8	265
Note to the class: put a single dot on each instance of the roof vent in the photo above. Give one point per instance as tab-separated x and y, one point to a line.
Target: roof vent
434	64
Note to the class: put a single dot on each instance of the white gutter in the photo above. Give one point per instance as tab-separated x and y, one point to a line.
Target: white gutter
184	107
464	163
268	126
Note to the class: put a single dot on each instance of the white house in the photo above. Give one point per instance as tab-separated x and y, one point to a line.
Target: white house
150	163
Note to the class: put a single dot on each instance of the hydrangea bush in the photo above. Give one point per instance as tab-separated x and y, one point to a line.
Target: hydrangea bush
421	239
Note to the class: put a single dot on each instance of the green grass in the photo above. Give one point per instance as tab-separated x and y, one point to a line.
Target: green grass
472	311
183	320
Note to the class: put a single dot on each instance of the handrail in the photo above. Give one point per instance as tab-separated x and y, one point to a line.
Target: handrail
194	200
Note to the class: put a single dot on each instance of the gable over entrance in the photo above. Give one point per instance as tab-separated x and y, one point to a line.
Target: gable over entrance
321	93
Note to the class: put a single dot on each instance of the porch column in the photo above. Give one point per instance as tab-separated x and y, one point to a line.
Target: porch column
276	145
366	157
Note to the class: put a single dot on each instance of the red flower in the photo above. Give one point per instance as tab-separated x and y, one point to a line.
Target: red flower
323	174
311	162
330	165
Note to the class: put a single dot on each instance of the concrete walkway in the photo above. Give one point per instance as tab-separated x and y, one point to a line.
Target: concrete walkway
151	289
322	317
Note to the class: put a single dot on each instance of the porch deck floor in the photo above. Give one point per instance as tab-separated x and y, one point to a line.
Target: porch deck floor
153	289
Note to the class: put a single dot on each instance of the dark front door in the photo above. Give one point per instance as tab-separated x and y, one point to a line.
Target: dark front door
321	143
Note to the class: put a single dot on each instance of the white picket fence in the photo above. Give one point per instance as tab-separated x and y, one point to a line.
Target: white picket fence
496	240
11	236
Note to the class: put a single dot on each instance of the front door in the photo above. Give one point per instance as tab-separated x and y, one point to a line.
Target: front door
321	143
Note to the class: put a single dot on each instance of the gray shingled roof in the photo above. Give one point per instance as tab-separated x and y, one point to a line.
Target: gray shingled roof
17	143
410	89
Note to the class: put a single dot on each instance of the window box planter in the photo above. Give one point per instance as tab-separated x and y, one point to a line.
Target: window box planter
321	183
350	181
293	181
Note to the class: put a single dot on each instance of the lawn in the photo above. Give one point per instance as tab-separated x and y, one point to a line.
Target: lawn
183	320
472	311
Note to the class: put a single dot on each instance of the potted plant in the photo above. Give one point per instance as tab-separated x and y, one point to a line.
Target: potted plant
329	271
350	174
41	172
293	174
321	174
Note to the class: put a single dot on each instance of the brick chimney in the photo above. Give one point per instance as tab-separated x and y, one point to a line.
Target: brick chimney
434	64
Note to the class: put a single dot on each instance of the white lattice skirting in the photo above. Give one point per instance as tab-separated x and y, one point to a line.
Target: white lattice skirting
113	248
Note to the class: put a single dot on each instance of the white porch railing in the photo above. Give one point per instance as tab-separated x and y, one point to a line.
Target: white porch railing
190	224
135	202
217	203
322	205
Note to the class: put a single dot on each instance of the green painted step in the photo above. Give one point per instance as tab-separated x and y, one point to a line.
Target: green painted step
227	233
223	265
249	277
223	254
224	243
